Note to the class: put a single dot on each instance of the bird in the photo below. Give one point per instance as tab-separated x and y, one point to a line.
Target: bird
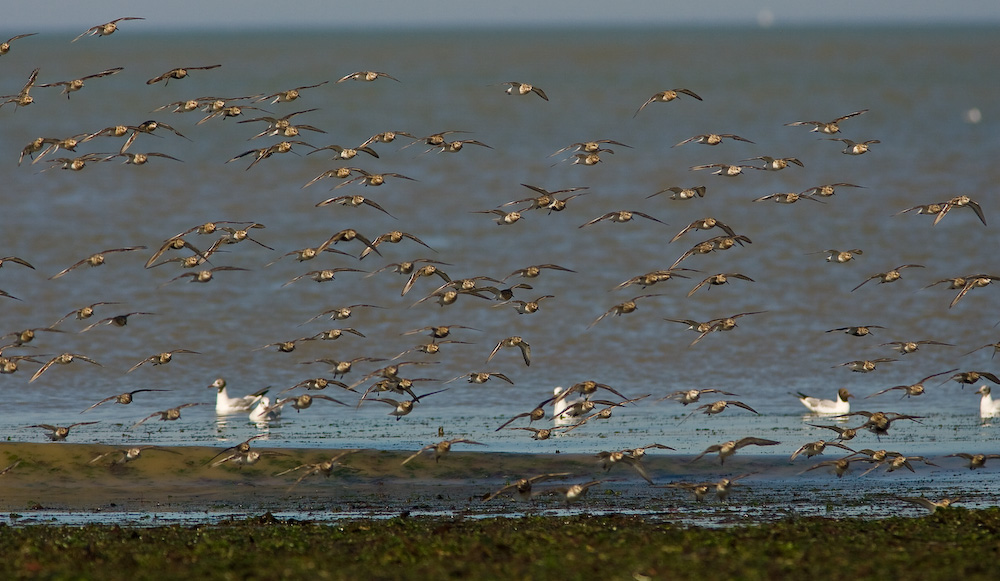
624	308
712	139
972	282
840	256
689	396
127	455
827	190
372	179
169	415
724	242
843	434
853	147
828	407
5	45
83	312
266	152
865	365
722	169
523	89
203	276
178	73
857	331
27	335
962	201
226	405
288	95
840	466
786	198
322	275
325	467
931	505
300	402
888	276
621	216
584	147
906	347
995	346
815	448
96	259
534	270
717	407
115	321
571	493
679	193
539	434
706	223
536	414
775	163
975	460
987	407
59	433
23	97
122	398
403	407
879	423
971	377
513	341
105	29
77	84
666	97
827	127
457	145
441	448
523	486
727	449
263	412
160	358
610	459
653	277
719	279
367	76
63	359
481	377
913	390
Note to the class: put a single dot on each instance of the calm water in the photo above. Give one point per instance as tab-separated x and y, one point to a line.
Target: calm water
917	84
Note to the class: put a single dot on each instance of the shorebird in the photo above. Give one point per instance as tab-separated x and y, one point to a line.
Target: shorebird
513	341
522	486
888	276
727	449
96	259
679	193
722	169
972	377
367	76
826	127
387	137
666	97
843	434
441	448
570	493
105	29
913	390
169	415
897	461
341	313
59	433
83	312
879	423
403	407
372	179
995	346
584	147
127	455
77	84
704	224
539	434
586	389
203	276
711	245
325	467
827	190
610	459
122	398
719	279
972	282
289	95
225	405
775	163
840	256
115	321
840	466
857	331
786	198
160	358
63	359
957	202
931	505
523	89
975	460
651	278
689	396
987	407
178	73
624	308
906	347
865	365
538	413
5	45
27	335
826	406
503	218
853	147
300	402
712	139
815	448
457	145
427	270
481	377
266	152
699	489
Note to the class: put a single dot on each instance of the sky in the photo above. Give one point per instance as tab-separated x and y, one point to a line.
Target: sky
233	14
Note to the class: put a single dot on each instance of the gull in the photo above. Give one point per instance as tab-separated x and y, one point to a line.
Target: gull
651	278
169	415
77	84
826	406
59	433
83	312
679	193
843	434
987	407
441	448
914	390
975	460
719	279
536	414
178	73
722	169
828	189
571	493
621	216
889	276
266	152
712	139
5	46
325	467
481	377
624	308
62	359
815	448
865	365
585	147
288	95
827	127
685	397
225	405
704	224
367	76
775	163
853	147
840	466
666	97
513	341
96	259
857	331
122	398
523	486
523	89
727	449
105	29
786	198
117	320
264	412
840	256
905	347
160	358
931	505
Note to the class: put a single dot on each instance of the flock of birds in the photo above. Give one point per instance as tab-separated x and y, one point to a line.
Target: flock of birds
193	251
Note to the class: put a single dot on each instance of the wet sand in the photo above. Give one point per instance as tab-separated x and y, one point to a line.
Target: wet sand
58	482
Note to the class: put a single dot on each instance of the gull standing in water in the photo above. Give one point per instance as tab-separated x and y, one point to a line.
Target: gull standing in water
225	405
826	406
987	407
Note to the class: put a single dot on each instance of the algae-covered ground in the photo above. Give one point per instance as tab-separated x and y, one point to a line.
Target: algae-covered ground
948	544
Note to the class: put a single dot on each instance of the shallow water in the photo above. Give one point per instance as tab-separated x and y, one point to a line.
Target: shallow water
918	84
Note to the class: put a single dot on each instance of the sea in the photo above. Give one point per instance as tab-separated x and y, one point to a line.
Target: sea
925	98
